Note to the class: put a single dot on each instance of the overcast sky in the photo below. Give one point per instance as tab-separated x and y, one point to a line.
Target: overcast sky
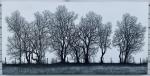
110	11
76	0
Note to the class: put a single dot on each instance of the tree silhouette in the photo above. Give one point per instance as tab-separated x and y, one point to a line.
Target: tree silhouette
75	45
88	34
128	37
57	32
15	24
104	41
39	37
61	31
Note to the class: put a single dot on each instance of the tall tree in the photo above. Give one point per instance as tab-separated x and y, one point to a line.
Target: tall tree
15	24
104	41
88	33
39	37
129	37
61	31
26	42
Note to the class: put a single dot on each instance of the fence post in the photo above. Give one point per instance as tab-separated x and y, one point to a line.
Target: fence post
15	60
140	60
111	60
67	60
5	60
47	60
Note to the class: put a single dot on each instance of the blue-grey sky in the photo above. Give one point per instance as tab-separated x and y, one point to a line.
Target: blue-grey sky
110	11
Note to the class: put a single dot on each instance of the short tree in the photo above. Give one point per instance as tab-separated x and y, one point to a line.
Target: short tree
75	46
104	41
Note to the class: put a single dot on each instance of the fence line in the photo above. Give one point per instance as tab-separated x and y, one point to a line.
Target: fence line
54	60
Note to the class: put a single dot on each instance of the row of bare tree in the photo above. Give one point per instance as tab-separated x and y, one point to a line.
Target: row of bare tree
57	32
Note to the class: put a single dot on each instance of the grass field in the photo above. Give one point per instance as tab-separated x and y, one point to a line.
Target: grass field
33	69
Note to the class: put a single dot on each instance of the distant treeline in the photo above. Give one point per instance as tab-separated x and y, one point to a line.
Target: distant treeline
58	33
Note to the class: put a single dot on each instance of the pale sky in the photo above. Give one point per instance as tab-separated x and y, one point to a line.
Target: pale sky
78	0
110	11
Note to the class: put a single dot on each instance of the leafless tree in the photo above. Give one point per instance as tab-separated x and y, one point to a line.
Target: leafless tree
39	39
61	31
26	42
75	45
88	34
104	41
58	32
128	37
15	24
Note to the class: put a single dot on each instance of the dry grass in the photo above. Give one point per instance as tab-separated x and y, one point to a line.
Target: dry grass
74	69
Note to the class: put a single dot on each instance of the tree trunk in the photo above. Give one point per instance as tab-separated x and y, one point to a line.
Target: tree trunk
28	58
126	58
102	58
77	57
120	57
87	55
103	52
77	60
20	57
86	58
62	60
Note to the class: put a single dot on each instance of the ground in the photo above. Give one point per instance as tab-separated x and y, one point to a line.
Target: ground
93	69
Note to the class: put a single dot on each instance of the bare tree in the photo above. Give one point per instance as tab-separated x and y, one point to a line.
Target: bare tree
88	34
61	31
26	42
75	45
15	23
104	41
39	38
129	37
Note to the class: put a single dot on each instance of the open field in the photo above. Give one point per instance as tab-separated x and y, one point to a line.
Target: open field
33	69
